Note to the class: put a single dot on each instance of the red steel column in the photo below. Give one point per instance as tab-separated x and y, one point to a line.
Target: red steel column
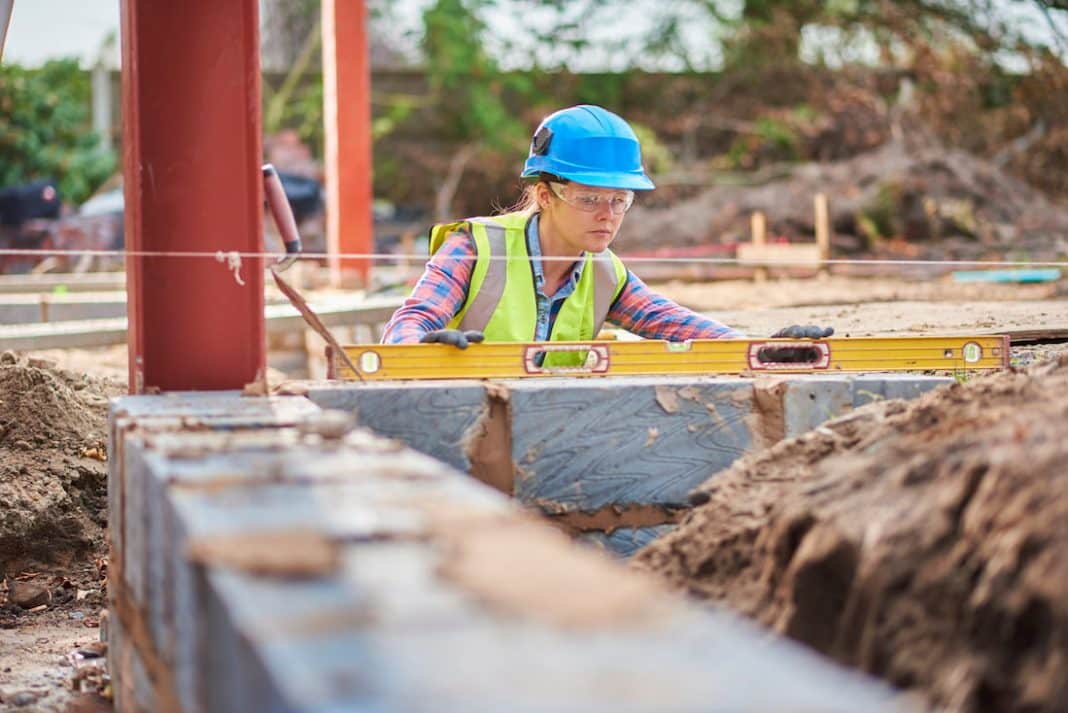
191	156
347	112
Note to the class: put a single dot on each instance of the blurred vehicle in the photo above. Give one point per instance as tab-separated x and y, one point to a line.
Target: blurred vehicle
27	201
32	218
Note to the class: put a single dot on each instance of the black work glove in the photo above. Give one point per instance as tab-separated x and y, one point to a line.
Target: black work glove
455	337
803	331
795	355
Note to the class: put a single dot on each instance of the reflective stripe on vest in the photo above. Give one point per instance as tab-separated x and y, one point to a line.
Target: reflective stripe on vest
484	303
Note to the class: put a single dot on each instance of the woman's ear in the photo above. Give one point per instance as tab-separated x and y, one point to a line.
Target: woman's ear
543	193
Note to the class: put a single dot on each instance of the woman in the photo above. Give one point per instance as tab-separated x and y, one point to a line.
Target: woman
543	272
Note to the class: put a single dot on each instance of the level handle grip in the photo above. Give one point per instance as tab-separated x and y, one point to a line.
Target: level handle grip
597	359
281	212
789	355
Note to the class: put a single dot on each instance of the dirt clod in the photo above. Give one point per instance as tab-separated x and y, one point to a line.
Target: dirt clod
28	595
922	542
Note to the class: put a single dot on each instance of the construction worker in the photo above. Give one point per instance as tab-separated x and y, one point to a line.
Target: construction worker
543	272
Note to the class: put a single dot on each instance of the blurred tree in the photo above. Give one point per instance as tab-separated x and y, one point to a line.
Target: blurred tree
46	129
292	61
793	80
286	25
468	92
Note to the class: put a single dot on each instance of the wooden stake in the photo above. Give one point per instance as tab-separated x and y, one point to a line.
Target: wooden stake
823	230
759	228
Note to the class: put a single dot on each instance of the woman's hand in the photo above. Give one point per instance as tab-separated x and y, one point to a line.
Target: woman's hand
455	337
803	331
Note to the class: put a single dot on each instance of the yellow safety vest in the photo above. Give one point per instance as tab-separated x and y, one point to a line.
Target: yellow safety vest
501	299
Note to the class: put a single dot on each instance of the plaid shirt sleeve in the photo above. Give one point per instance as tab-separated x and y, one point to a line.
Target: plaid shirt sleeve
650	315
439	294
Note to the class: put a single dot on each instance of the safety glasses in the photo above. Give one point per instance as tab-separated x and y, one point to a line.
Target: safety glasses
619	202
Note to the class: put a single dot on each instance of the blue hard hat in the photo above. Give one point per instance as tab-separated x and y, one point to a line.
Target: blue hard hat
588	144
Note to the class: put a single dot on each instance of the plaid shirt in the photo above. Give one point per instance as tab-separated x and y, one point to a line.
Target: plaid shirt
442	290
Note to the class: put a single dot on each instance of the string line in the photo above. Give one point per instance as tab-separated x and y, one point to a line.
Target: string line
230	255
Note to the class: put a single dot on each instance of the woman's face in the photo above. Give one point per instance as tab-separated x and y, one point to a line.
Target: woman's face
583	217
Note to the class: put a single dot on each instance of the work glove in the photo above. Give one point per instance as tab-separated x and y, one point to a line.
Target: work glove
795	355
803	331
455	337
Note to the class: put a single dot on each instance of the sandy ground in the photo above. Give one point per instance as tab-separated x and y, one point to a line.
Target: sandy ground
42	663
869	307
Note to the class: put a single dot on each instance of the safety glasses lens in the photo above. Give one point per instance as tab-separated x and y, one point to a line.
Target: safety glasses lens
588	202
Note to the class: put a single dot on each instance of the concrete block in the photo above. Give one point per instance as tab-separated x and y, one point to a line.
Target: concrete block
876	387
587	444
431	417
215	410
809	400
180	411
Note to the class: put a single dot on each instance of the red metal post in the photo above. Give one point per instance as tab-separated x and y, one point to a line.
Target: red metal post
347	112
192	150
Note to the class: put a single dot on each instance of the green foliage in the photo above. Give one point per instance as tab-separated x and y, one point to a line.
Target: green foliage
769	138
779	135
302	111
655	155
45	129
468	86
601	89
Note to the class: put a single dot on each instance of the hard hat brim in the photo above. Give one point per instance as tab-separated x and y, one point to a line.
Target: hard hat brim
630	182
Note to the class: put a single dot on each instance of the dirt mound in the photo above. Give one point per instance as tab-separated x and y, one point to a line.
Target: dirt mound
923	542
53	472
904	199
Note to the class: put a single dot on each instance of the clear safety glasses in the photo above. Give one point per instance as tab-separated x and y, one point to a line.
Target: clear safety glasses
619	202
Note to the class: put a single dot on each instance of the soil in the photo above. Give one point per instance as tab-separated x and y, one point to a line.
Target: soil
53	488
919	541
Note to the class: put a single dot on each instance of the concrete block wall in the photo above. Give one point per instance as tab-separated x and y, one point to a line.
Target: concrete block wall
265	561
612	459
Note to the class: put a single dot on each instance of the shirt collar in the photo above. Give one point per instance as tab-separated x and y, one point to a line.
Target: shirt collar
534	250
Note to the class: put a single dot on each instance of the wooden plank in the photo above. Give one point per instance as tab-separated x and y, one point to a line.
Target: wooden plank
1037	336
30	308
81	334
780	255
63	282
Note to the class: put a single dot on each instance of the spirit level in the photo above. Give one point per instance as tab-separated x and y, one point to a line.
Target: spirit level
511	360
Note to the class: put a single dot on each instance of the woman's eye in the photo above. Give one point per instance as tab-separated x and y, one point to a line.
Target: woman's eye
589	201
